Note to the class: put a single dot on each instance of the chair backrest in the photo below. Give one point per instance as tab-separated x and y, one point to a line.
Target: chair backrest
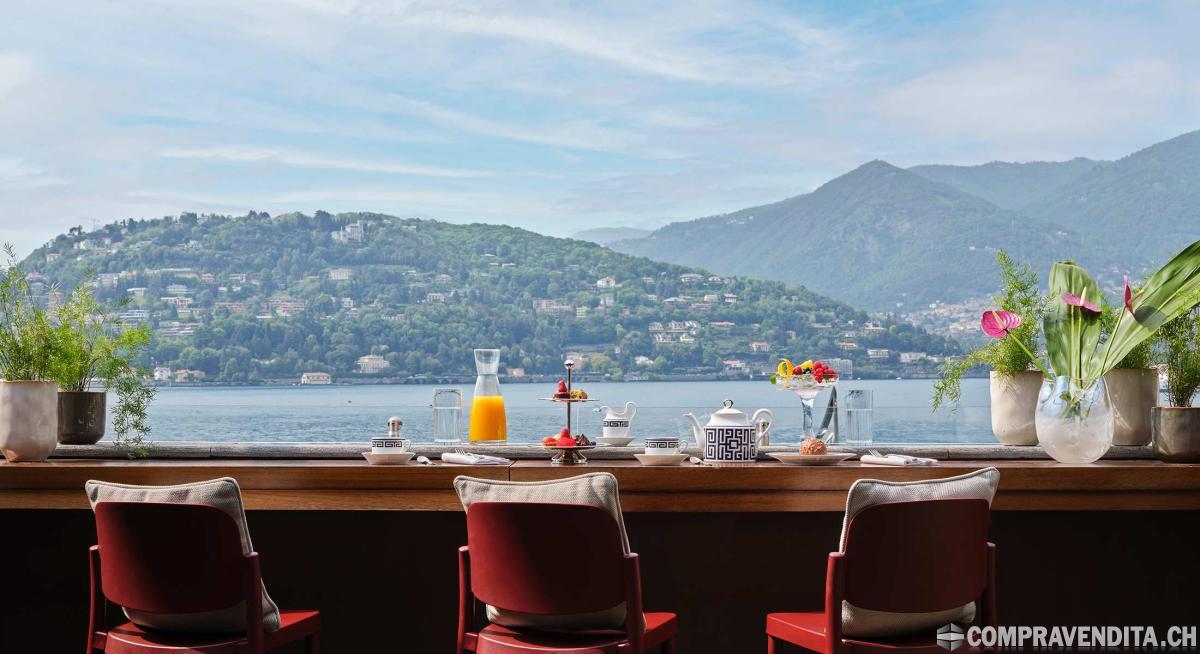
169	558
918	556
545	559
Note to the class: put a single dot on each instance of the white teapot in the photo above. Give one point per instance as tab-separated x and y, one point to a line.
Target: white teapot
616	422
729	436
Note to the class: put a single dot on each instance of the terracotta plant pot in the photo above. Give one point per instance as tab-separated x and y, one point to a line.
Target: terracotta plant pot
1014	404
81	417
1134	392
1176	433
28	420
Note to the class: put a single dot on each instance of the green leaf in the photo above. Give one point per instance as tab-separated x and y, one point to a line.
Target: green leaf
1072	333
1168	294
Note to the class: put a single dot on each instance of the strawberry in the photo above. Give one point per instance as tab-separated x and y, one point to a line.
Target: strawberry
566	441
565	433
819	376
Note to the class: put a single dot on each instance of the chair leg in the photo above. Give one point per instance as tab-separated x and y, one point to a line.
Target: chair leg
770	645
312	644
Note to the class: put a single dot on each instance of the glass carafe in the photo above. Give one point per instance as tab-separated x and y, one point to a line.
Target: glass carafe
488	423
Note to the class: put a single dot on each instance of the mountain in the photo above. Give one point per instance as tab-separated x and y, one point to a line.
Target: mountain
606	235
1011	185
256	297
879	236
1140	209
891	239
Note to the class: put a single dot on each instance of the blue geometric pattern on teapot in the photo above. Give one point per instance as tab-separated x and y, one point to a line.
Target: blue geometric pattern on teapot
739	444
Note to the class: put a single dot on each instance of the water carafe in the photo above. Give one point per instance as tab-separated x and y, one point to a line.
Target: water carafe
488	423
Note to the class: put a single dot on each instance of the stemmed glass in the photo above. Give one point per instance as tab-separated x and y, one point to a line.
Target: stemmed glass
807	389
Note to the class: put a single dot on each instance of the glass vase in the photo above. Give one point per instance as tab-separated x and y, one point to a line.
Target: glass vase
1074	419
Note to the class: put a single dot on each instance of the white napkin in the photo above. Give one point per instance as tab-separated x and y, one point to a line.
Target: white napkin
897	460
468	459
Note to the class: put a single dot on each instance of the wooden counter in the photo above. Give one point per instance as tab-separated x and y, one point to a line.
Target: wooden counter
760	487
300	485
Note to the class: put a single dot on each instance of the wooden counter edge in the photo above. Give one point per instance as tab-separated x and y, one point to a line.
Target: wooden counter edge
354	486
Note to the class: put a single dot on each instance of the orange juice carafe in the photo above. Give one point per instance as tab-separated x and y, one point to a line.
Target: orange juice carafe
488	424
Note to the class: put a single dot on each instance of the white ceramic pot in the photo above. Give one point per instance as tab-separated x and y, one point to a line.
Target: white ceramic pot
28	420
1134	393
1014	405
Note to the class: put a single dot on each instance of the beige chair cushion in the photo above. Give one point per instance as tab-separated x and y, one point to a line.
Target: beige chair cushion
593	489
865	623
225	495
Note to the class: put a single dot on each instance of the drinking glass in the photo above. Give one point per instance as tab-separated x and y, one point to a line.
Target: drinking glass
860	414
447	415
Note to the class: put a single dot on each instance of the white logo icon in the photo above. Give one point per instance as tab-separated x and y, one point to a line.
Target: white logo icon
950	637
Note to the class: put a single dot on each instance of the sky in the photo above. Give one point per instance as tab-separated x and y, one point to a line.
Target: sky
554	116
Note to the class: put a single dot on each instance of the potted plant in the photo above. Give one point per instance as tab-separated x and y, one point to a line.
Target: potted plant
28	396
93	344
1074	416
1013	385
1132	387
1176	428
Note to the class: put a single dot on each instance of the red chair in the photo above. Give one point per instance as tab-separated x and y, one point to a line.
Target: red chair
901	557
552	559
180	558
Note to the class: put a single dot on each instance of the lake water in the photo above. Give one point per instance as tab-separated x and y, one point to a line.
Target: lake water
354	413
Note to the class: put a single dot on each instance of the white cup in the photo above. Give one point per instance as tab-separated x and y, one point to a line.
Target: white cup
389	445
664	445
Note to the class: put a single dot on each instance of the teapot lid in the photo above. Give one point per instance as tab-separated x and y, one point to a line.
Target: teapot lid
728	417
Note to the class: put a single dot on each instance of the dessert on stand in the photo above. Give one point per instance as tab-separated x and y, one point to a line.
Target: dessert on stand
567	445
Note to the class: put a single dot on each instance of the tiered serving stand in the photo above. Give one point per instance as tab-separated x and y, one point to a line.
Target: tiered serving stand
568	456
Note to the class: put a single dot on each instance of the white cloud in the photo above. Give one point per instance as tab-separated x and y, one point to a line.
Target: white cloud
676	41
17	173
242	154
15	70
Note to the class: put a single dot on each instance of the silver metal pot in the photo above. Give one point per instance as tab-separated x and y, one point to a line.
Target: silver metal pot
1176	433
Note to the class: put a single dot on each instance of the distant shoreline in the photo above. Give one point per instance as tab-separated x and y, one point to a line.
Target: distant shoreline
538	379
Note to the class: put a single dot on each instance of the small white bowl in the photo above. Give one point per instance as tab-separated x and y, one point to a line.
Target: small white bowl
615	441
661	459
390	459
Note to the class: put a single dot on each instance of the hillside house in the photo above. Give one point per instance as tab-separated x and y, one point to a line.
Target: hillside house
184	376
370	364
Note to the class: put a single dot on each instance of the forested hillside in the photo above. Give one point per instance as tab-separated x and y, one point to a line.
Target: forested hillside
243	299
878	236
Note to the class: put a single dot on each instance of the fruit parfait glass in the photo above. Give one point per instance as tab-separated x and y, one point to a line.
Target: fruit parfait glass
806	380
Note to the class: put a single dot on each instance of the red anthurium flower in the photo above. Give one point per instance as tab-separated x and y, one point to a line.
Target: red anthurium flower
998	324
1080	301
1128	296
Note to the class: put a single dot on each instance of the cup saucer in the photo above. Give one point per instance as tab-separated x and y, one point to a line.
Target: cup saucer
661	459
391	458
